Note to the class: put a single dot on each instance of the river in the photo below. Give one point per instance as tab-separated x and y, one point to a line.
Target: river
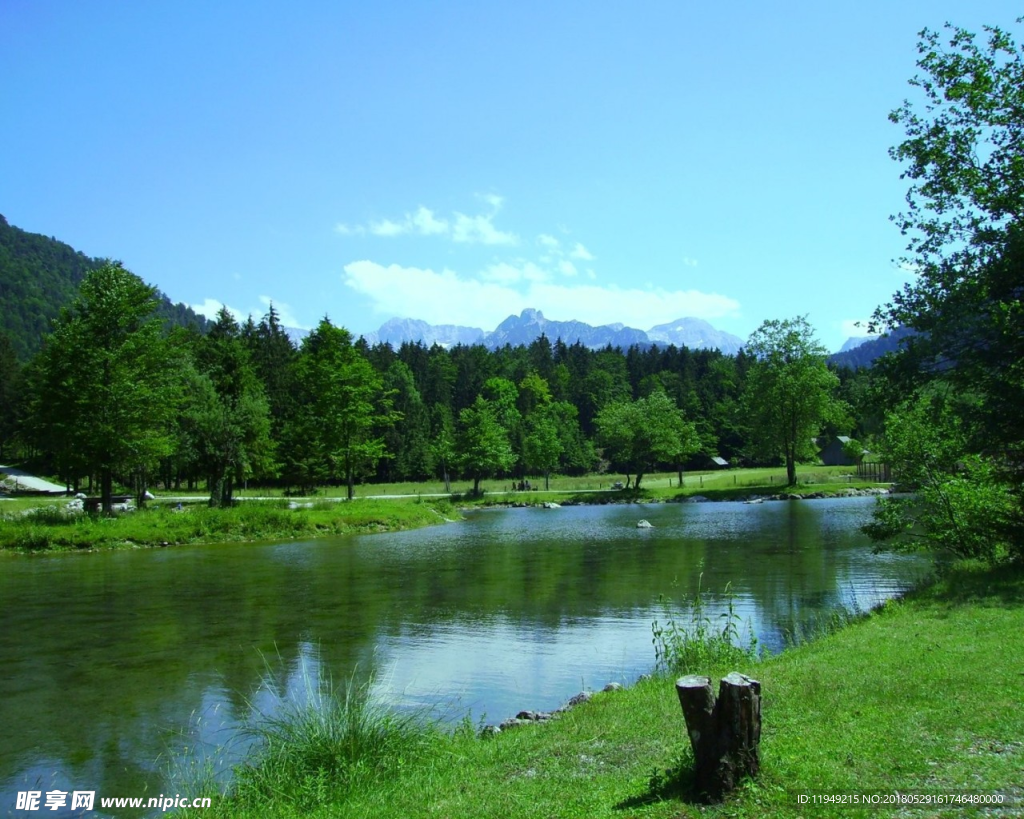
118	667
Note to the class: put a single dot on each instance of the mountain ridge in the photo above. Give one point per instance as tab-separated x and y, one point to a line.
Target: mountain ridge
531	323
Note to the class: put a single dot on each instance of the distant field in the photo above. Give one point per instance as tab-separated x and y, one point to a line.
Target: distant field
658	484
692	482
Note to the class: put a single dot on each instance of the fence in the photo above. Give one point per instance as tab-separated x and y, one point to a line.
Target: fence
877	472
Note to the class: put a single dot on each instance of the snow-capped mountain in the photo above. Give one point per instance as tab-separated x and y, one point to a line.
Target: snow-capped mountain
531	324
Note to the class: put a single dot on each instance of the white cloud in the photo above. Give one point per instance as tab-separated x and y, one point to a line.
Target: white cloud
850	327
567	268
385	227
461	227
211	307
502	273
284	313
581	253
689	262
493	200
349	230
426	224
547	240
480	229
508	273
446	297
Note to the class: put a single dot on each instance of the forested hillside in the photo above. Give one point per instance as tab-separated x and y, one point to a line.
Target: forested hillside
864	355
39	275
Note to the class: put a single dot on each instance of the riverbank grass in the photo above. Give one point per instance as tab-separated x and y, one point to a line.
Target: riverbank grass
922	696
333	744
51	528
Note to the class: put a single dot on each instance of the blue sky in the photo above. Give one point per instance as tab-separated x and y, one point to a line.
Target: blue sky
458	162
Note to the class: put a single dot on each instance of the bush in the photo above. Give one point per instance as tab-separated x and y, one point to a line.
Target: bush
960	503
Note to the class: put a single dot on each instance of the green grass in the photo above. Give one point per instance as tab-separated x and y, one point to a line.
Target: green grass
923	695
693	482
163	525
18	505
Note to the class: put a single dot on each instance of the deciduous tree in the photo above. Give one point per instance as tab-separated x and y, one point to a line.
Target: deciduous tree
963	154
482	445
639	435
338	431
107	382
789	393
10	392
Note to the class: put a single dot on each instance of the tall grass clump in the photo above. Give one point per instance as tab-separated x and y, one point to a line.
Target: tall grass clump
699	643
322	750
821	624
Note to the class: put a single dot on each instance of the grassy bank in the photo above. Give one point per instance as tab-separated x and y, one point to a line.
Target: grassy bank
41	524
921	696
50	528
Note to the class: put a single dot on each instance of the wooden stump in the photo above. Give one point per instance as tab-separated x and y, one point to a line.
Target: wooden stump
725	735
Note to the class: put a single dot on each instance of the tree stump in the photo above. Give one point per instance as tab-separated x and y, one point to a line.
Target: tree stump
725	735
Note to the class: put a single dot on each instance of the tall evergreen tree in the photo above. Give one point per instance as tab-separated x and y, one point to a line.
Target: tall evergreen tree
408	443
273	358
226	415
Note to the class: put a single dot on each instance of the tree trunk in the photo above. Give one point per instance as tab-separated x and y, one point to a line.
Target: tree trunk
547	481
106	490
476	486
350	482
447	481
141	487
790	468
215	490
725	735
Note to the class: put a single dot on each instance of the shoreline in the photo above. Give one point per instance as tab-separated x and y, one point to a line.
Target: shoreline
840	714
58	531
714	496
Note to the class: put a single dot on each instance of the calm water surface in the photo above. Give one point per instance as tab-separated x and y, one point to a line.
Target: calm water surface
116	666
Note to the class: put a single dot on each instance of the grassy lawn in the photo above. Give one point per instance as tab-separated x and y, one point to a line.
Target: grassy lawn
922	696
693	482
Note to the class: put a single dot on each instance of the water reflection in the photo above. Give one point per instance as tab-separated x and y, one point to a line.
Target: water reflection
114	663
